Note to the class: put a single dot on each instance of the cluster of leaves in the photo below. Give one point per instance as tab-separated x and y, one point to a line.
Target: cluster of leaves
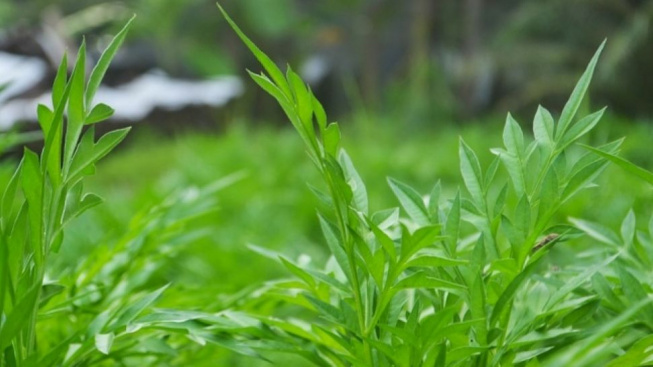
46	192
110	293
460	281
94	314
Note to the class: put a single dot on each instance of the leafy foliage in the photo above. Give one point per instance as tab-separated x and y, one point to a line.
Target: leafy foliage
97	313
458	281
44	194
456	277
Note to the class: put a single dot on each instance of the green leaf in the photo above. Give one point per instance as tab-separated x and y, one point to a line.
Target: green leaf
272	89
103	63
9	197
320	114
597	231
48	291
377	267
386	218
434	203
385	241
479	256
299	272
99	113
513	138
582	179
572	105
44	115
76	106
335	246
411	201
492	171
636	355
471	172
32	184
442	355
628	228
433	261
171	315
265	61
89	201
303	102
540	336
543	127
235	346
477	301
589	157
549	192
522	218
452	224
60	81
624	164
326	309
53	140
18	318
421	238
355	182
135	308
604	289
576	282
500	201
332	139
103	342
515	170
84	158
581	128
530	354
423	280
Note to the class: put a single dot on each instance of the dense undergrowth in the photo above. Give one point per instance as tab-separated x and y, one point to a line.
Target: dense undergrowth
536	257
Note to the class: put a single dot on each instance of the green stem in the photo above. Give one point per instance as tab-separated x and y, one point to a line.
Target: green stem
351	254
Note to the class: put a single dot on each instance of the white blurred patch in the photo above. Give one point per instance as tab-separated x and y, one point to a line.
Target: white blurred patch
132	101
314	69
19	73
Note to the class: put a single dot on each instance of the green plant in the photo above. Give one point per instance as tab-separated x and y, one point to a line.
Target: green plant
458	282
111	291
100	311
45	192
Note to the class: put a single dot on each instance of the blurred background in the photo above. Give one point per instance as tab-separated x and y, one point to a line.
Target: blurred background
404	78
425	62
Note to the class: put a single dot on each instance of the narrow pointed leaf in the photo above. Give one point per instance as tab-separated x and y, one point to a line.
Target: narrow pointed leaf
411	201
471	172
624	164
572	105
103	63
